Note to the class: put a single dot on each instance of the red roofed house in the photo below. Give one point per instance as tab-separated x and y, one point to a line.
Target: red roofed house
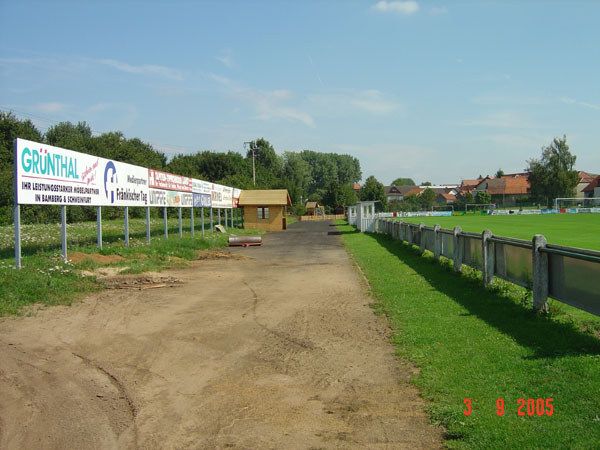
584	180
507	189
445	198
593	190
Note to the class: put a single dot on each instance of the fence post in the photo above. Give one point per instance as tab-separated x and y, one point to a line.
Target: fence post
409	235
422	237
400	229
487	249
458	250
437	242
540	274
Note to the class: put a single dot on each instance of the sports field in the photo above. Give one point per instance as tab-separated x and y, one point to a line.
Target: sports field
575	230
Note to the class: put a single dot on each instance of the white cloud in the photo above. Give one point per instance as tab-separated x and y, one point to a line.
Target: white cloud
268	106
226	57
370	101
405	8
146	69
571	101
50	107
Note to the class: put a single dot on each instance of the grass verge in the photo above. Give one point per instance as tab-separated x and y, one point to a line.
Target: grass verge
46	280
484	345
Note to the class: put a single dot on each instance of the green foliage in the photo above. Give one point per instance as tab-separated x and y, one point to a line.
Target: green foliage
553	175
374	190
426	183
306	174
483	198
403	182
339	194
499	173
427	198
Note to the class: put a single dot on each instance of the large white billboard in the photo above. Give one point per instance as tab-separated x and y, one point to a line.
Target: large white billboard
47	175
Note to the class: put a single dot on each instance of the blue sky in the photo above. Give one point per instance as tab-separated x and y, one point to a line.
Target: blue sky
430	90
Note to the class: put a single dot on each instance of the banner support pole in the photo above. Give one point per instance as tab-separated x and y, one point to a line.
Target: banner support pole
63	231
99	226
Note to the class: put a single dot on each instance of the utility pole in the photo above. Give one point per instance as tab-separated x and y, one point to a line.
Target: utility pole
252	149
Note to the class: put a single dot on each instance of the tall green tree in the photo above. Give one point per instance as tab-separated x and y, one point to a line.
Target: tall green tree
483	198
403	182
297	177
427	198
374	190
553	175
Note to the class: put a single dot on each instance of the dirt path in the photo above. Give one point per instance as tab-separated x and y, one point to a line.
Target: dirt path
276	350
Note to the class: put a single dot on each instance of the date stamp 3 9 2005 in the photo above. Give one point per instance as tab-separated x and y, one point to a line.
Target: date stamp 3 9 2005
524	407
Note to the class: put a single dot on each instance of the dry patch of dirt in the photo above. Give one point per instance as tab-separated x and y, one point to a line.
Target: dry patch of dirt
140	282
220	255
78	257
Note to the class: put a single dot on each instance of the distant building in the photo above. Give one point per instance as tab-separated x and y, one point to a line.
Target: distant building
593	189
396	193
265	209
584	180
507	189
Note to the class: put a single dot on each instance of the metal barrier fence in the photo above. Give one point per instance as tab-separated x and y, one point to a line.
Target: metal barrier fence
568	274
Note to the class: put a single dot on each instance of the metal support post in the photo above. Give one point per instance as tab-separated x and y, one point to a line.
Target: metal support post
17	219
211	219
63	231
147	224
180	226
540	274
99	226
202	219
192	220
232	211
165	222
219	216
127	226
225	216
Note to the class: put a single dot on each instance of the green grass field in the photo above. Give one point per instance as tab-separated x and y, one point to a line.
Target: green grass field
488	346
574	230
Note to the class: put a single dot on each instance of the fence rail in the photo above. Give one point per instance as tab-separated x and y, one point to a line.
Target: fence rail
568	274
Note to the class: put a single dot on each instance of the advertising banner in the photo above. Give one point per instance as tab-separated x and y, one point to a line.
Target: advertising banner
168	181
202	200
47	175
236	197
161	197
221	196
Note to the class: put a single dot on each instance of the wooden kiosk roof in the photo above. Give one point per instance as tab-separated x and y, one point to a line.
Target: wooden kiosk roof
269	197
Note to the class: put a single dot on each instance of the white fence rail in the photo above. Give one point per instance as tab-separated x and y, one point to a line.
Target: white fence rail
568	274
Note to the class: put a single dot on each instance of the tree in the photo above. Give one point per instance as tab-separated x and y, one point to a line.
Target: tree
373	190
411	202
499	173
297	177
552	175
426	183
427	198
339	194
403	182
483	198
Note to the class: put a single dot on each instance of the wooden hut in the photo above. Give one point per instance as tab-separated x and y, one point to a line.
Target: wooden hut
265	209
313	208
